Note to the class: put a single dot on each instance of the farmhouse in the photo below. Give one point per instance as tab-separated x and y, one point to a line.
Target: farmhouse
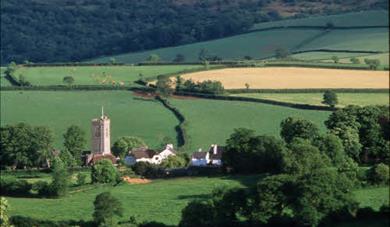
213	157
147	155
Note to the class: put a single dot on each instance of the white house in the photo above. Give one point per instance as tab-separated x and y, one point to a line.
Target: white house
200	158
147	155
216	154
211	158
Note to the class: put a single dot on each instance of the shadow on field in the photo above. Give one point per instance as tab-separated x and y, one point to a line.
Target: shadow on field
245	180
192	197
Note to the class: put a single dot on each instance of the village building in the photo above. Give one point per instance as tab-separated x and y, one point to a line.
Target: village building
100	141
211	158
145	154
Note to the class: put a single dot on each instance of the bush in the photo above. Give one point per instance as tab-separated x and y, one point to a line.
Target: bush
42	188
148	170
13	186
379	174
104	172
81	178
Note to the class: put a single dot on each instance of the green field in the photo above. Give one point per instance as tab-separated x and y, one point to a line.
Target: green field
212	121
361	99
364	18
262	44
130	116
161	200
96	75
370	39
3	82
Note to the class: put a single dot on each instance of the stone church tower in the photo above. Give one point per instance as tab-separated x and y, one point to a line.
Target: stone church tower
101	135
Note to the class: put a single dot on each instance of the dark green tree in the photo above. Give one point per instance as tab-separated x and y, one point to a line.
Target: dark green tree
60	179
355	60
74	142
198	213
154	58
379	174
123	145
107	207
335	59
69	80
330	98
298	128
332	146
179	58
164	85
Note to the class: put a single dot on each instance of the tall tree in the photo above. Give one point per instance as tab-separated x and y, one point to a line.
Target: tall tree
74	142
106	208
164	85
330	98
123	145
60	179
298	128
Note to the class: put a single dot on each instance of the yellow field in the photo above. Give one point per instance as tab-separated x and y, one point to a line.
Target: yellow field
294	77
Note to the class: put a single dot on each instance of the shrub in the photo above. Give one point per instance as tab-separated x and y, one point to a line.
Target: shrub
148	170
81	178
13	186
379	174
42	188
104	172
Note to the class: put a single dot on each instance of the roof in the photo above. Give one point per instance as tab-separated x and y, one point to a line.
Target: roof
97	157
199	155
142	152
218	155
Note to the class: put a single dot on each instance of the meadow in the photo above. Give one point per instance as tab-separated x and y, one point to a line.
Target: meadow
96	75
262	44
130	115
162	200
213	121
344	99
294	77
3	81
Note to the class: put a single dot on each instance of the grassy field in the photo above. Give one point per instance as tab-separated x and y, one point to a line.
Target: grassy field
294	77
262	44
96	75
361	99
130	116
256	44
364	18
372	39
161	200
3	82
212	121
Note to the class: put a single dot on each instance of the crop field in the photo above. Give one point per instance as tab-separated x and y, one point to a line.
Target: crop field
130	115
161	200
294	77
96	75
364	18
212	121
262	44
344	99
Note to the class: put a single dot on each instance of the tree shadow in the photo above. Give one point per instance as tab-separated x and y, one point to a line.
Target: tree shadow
195	196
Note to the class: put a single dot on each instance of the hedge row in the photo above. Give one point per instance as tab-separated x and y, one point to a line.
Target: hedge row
22	221
182	136
316	65
258	100
75	87
310	90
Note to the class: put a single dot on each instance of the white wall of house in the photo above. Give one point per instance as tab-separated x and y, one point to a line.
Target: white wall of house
199	162
216	162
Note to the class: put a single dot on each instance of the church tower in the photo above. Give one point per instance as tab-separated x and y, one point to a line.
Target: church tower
101	135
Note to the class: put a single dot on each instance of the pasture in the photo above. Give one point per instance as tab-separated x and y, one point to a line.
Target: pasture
262	44
212	121
96	75
293	77
161	201
130	115
344	99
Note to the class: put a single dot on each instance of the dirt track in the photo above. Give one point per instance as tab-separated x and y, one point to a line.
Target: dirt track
294	77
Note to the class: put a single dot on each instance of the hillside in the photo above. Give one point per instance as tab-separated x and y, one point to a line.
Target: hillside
69	30
293	35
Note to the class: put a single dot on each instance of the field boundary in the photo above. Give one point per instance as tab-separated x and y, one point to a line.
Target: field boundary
310	90
258	100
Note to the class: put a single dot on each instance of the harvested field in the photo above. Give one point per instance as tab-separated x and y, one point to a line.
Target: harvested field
294	77
135	180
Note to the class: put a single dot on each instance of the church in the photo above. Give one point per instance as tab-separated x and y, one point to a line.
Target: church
100	147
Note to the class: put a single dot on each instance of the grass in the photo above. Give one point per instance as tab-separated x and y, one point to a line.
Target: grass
96	75
262	44
361	99
130	116
212	121
373	39
161	200
256	44
373	197
3	82
364	18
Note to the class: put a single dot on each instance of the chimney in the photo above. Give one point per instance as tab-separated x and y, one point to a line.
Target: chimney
215	148
169	147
